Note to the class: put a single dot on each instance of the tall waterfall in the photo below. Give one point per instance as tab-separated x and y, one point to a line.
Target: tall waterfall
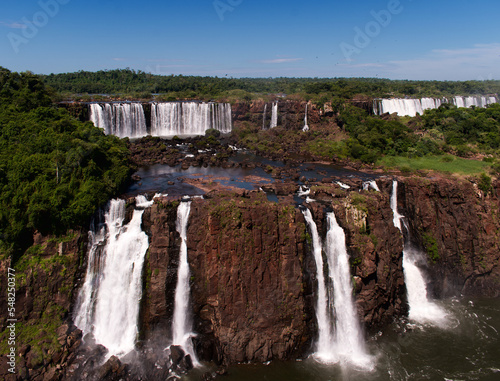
120	119
325	326
189	118
108	303
274	115
264	117
340	338
410	107
421	308
181	324
306	127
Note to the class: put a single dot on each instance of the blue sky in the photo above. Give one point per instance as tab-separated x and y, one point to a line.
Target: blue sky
397	39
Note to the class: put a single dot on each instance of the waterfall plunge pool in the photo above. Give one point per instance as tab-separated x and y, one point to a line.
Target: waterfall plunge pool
467	350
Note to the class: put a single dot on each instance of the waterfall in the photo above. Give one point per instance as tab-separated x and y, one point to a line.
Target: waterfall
181	324
306	127
409	107
422	309
274	115
264	117
189	118
371	184
412	107
120	119
348	337
325	334
339	332
108	304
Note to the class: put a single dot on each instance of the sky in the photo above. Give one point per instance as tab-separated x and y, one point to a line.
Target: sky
397	39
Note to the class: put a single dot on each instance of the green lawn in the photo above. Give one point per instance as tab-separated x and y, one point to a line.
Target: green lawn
445	163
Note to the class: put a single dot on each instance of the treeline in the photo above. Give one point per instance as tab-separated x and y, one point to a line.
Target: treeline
128	81
54	170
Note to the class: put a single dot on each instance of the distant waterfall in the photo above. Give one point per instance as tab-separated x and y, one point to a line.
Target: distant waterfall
274	115
412	107
167	118
340	338
421	308
306	127
189	118
473	101
108	304
371	184
264	117
120	119
181	324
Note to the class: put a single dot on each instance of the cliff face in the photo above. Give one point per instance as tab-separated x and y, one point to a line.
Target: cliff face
46	285
253	276
247	261
291	114
250	299
458	226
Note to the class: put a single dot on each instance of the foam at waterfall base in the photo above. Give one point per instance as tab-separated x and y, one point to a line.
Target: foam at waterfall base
340	338
422	309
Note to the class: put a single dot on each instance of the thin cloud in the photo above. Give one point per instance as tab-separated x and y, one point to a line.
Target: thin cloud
280	60
165	60
13	25
119	59
478	61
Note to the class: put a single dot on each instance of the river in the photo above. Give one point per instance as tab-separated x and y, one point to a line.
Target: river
467	349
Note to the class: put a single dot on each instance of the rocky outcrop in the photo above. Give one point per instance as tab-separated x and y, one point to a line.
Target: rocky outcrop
46	284
162	261
253	274
247	258
458	226
250	298
290	113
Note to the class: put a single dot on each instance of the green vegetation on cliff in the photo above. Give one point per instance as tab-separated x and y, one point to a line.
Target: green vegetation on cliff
447	139
54	170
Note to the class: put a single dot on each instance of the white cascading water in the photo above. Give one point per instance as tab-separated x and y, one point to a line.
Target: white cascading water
422	310
189	118
181	323
306	126
342	185
410	107
264	117
120	119
371	184
349	343
339	333
109	299
325	334
274	115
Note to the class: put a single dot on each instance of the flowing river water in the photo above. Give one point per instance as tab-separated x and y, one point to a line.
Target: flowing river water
468	349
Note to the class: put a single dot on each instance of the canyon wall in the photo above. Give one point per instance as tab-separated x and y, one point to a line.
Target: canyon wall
458	226
253	275
253	280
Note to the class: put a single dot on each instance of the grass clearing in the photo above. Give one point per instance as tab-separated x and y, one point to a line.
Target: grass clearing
445	163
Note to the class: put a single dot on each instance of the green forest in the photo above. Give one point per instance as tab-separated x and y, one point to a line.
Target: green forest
55	171
139	84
